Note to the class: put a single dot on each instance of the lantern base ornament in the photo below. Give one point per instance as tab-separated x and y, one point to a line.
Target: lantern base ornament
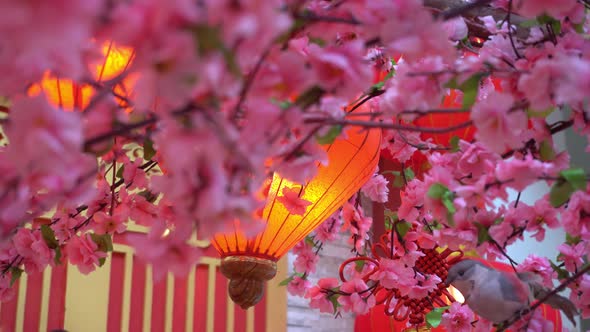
247	277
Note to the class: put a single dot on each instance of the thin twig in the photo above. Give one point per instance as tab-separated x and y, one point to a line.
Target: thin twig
369	124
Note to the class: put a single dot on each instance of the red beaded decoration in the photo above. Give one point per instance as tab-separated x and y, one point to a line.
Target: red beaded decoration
405	308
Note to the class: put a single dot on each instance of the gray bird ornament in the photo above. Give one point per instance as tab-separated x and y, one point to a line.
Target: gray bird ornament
497	295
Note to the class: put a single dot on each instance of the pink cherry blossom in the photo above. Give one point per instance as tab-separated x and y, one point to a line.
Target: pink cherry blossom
555	8
318	297
298	286
394	274
292	200
340	67
167	250
498	128
105	224
376	189
539	266
458	318
32	247
359	301
83	252
7	293
328	231
572	255
424	285
306	262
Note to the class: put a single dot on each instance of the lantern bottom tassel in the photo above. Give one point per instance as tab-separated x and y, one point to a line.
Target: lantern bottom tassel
247	276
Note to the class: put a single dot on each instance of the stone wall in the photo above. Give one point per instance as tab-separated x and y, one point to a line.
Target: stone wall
300	318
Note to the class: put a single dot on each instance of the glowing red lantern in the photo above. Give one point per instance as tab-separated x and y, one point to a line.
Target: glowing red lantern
249	262
71	95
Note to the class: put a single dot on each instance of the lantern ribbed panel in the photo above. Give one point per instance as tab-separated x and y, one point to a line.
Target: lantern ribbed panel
352	161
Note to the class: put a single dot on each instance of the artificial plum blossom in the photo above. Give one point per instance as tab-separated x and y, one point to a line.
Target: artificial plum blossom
533	8
576	217
306	261
298	286
413	196
458	318
395	274
83	252
329	229
456	28
360	301
376	189
400	147
572	256
476	159
108	224
581	298
291	199
542	215
413	88
319	295
166	249
540	266
32	247
498	126
358	224
424	285
339	68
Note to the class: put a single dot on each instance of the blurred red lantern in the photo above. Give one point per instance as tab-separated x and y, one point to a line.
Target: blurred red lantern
71	95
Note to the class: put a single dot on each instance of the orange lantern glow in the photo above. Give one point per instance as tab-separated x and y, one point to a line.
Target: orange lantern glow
249	262
71	95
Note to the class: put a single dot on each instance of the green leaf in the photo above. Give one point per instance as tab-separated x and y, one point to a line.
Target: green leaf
287	281
398	181
57	258
101	261
49	236
15	273
208	39
359	265
572	240
390	219
104	242
573	179
402	228
575	176
561	273
447	200
470	88
309	241
330	136
546	151
539	114
434	317
560	193
120	171
316	40
483	234
409	174
148	149
437	191
309	97
334	300
455	143
529	23
148	195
